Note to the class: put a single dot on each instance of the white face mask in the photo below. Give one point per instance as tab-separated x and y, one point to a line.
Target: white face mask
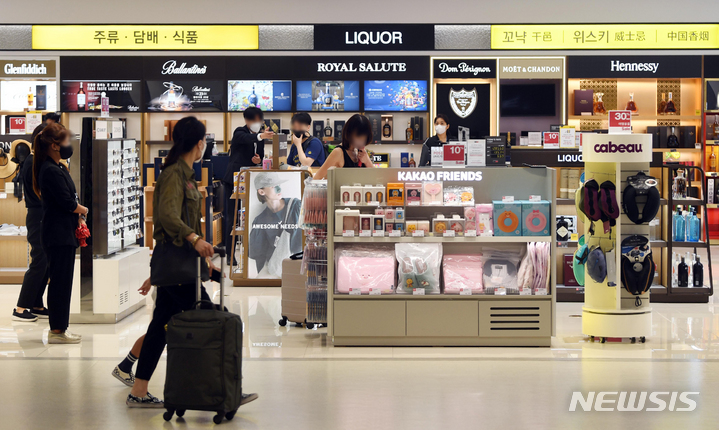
440	129
255	127
202	153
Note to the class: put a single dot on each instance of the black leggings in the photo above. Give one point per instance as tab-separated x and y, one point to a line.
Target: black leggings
61	271
35	280
170	301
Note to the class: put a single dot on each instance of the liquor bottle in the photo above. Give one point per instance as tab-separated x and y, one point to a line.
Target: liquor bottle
562	230
252	99
409	133
409	100
662	104
698	272
327	98
695	226
631	106
328	131
678	226
336	100
599	107
171	100
416	130
386	129
713	161
30	99
680	186
715	127
672	140
670	108
81	98
412	163
683	274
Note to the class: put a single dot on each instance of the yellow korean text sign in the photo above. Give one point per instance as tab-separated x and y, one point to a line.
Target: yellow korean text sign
145	37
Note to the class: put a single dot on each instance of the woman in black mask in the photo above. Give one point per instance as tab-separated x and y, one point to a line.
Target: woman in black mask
62	214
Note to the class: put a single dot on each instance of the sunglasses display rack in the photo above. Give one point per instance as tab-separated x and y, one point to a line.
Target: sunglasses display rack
401	287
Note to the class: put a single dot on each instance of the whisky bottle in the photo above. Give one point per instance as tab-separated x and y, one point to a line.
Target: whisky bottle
30	99
713	161
327	98
416	130
670	108
409	133
631	106
662	104
672	140
409	100
387	129
171	96
412	163
81	98
252	99
328	130
715	127
599	107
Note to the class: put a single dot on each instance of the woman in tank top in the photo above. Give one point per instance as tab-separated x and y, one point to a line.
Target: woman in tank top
356	135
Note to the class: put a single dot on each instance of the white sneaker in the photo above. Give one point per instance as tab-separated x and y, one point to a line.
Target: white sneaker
126	378
62	338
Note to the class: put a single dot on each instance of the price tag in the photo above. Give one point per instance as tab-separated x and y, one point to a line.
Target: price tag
365	233
395	233
620	122
117	129
470	233
477	153
372	203
378	233
413	203
374	291
348	233
574	237
465	291
567	137
525	292
453	155
535	198
501	291
551	140
355	291
534	138
418	233
449	233
418	291
17	125
436	160
350	203
507	199
101	130
32	120
541	292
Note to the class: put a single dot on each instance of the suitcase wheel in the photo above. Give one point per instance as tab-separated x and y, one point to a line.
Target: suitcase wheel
283	321
168	414
230	415
218	418
309	325
180	412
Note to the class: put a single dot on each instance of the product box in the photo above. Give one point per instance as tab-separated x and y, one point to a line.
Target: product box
583	102
346	194
423	225
318	129
375	121
389	227
485	224
687	136
654	131
419	133
357	191
377	223
387	127
440	225
395	194
495	154
569	279
410	227
457	224
366	222
413	193
507	218
346	220
379	194
535	218
339	126
389	214
432	193
399	214
404	159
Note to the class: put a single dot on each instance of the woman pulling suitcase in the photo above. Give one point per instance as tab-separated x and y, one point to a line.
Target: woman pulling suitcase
177	208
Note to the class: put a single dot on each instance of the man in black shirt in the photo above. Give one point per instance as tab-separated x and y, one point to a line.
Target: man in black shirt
246	150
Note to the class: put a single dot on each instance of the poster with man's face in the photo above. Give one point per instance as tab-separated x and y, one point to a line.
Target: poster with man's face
274	210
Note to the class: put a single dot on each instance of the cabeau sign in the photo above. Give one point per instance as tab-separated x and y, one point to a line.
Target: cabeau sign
27	68
615	148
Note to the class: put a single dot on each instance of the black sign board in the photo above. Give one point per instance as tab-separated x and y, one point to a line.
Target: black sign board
465	105
711	66
6	140
547	157
100	68
85	95
184	68
374	37
625	66
465	68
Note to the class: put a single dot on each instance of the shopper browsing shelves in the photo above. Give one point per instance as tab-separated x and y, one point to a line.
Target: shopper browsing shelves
306	150
441	126
356	135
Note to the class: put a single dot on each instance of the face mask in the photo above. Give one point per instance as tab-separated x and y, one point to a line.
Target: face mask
440	129
66	152
299	133
202	152
255	127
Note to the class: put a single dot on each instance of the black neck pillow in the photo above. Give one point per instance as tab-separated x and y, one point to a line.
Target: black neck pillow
631	208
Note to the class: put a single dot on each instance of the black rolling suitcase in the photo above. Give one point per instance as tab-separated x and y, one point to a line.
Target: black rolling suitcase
204	359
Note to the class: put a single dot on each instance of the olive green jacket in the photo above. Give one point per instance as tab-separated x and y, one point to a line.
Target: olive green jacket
177	204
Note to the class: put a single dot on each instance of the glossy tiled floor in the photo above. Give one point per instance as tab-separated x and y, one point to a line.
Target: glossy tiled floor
305	383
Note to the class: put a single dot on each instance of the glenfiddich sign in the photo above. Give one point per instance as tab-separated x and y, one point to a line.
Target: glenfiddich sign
27	68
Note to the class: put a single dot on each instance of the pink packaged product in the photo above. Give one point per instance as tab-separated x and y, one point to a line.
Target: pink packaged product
462	271
470	218
484	219
413	191
365	270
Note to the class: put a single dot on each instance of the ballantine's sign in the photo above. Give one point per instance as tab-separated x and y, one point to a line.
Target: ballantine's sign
171	68
25	69
618	66
361	67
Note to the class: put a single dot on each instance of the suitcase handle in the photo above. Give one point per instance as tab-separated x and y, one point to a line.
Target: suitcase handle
222	252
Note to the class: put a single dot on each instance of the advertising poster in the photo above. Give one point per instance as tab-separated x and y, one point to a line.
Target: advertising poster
267	95
82	96
22	96
395	96
328	96
274	211
183	96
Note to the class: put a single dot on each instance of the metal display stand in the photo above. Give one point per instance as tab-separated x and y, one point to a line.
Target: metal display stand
443	320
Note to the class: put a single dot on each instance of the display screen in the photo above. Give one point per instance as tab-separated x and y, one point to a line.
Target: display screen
21	96
124	96
182	96
712	96
395	96
527	100
267	95
327	96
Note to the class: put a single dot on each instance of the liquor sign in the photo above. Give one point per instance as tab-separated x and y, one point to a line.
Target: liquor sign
551	140
620	121
453	156
548	157
374	37
606	36
626	66
531	68
27	68
145	37
625	148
